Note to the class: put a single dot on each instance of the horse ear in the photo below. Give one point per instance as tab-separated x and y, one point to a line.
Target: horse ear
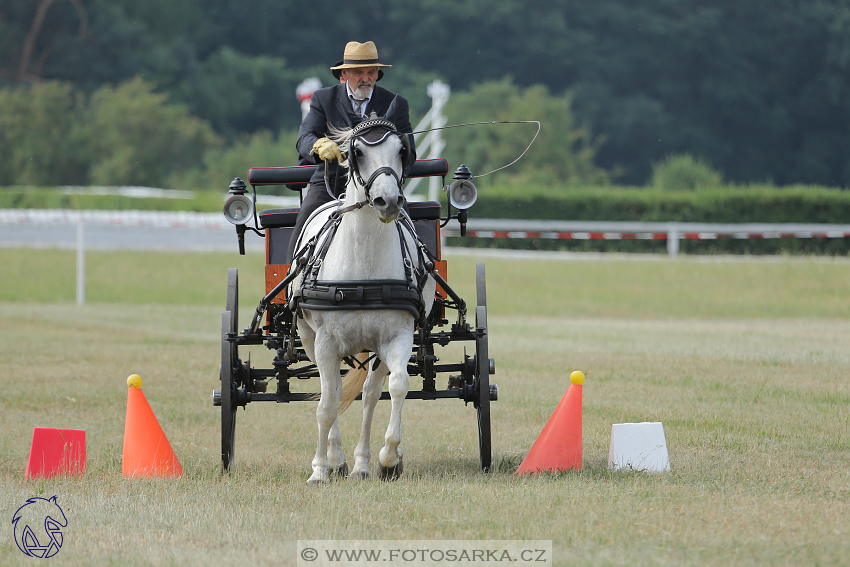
392	110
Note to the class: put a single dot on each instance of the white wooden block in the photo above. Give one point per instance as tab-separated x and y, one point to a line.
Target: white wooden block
638	446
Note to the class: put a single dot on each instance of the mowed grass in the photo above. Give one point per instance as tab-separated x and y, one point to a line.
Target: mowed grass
745	363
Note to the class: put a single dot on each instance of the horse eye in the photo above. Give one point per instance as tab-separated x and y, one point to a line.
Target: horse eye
358	152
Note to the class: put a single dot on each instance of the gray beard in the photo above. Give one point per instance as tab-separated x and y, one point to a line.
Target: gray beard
362	92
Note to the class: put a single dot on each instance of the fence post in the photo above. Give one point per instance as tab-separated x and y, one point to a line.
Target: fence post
81	264
439	93
673	241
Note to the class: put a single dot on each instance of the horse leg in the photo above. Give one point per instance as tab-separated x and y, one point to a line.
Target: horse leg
336	458
390	457
326	414
371	395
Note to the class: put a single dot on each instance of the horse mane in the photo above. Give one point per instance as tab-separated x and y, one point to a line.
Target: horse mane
341	137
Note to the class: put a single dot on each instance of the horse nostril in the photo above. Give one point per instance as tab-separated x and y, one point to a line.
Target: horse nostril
379	202
401	200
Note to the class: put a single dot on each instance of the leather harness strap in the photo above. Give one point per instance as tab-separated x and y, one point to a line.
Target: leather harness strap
320	295
360	295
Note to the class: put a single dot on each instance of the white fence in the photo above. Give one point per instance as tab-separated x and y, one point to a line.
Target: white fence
203	227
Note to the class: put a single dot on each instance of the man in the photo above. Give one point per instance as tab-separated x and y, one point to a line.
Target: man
343	106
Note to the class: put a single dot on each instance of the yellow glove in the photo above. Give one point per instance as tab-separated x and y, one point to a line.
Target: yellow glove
326	149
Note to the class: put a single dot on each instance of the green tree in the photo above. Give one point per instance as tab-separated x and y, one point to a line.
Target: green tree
40	136
684	171
138	138
221	165
562	154
238	93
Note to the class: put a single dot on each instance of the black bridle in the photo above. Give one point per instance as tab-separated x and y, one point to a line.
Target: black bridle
373	132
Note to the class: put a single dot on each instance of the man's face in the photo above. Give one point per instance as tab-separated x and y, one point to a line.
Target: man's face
361	80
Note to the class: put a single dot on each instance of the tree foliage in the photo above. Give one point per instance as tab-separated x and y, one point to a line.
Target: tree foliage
758	88
561	154
124	135
684	172
40	135
136	138
221	165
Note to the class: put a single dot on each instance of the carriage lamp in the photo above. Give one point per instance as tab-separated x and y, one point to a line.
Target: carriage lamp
462	195
238	209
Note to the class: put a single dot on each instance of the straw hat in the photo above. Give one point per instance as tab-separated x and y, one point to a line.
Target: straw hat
359	55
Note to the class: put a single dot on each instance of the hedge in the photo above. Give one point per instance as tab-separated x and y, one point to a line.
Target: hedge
749	204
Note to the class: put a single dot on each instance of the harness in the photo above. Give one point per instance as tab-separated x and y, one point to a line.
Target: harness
373	132
323	295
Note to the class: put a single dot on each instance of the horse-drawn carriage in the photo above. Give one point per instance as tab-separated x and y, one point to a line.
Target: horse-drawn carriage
334	281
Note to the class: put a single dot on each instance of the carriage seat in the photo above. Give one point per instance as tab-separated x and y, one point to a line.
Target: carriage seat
298	175
280	222
285	218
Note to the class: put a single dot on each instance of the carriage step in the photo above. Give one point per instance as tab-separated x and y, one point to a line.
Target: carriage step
217	398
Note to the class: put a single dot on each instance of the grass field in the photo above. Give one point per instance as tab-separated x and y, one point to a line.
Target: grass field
746	363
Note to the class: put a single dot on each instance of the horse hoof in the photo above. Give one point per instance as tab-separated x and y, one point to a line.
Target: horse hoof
391	473
360	475
317	480
341	471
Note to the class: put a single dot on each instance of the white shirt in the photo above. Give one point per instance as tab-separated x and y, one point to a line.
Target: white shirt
351	98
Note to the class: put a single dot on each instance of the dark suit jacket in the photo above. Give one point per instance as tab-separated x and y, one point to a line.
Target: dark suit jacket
332	106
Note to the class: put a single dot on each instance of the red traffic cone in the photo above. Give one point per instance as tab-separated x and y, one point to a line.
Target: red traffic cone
559	446
147	451
56	452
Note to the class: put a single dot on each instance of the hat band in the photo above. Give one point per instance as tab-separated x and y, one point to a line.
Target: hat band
362	62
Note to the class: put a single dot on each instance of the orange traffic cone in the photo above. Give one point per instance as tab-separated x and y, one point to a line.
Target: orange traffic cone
56	452
147	451
558	448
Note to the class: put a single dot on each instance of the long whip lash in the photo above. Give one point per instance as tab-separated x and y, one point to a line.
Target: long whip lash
493	122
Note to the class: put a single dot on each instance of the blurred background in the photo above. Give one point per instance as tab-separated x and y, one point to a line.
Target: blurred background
651	110
178	93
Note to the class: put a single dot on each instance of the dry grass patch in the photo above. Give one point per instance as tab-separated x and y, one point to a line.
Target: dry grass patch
755	411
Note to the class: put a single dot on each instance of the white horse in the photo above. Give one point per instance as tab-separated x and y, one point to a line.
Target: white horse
366	246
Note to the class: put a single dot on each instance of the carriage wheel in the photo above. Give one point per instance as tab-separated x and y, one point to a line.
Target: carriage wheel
480	285
482	370
229	360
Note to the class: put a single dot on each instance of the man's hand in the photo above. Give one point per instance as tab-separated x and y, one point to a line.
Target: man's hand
326	149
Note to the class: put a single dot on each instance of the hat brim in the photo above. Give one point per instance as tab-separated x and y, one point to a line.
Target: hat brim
337	69
355	65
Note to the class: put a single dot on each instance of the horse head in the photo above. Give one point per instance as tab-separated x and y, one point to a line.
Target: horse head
377	157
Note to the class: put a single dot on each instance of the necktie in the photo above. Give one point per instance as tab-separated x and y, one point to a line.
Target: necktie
359	105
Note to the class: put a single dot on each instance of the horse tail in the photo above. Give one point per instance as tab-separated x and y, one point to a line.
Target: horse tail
352	382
